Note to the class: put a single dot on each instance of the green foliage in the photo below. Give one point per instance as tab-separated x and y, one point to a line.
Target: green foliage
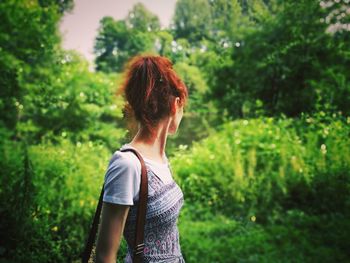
267	190
251	191
48	196
141	19
118	41
195	84
28	39
228	20
255	165
226	239
43	85
257	189
87	98
298	237
292	68
63	5
192	19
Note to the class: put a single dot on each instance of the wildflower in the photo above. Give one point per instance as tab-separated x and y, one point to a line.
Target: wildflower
325	131
183	146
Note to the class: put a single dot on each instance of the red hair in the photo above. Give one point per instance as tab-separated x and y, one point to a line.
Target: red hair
150	87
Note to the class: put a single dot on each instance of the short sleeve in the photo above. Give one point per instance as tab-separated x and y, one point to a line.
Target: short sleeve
122	179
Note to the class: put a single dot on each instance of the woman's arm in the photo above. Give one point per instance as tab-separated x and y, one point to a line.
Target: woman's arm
110	231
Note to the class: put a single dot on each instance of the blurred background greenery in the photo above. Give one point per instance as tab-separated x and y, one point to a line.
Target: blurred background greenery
263	152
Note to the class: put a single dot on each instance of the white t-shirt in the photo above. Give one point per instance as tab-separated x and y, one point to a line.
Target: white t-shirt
123	176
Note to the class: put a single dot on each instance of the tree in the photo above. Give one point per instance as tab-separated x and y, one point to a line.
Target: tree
279	62
28	40
227	19
63	5
118	41
141	19
192	20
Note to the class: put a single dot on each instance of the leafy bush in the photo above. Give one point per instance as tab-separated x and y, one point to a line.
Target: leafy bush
49	194
250	167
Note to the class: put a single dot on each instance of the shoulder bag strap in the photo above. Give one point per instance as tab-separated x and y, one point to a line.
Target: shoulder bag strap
140	219
141	210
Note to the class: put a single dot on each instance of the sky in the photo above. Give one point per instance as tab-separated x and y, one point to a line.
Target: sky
79	27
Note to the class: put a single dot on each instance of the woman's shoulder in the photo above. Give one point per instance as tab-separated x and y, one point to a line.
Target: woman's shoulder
122	178
126	158
123	164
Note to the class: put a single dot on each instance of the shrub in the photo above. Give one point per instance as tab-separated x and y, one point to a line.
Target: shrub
49	195
250	167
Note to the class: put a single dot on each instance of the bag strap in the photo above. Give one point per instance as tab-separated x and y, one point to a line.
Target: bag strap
140	217
93	230
141	211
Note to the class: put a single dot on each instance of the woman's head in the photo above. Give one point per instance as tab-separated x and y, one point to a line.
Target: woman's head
154	91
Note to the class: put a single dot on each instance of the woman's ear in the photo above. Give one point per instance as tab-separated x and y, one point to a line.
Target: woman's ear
175	105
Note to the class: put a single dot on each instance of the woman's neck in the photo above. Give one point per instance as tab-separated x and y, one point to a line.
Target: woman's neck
152	146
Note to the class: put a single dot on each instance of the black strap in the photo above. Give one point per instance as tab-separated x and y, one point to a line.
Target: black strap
140	219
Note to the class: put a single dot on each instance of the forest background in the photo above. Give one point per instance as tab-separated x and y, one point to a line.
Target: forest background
262	154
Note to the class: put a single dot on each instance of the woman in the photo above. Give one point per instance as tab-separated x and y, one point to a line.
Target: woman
155	96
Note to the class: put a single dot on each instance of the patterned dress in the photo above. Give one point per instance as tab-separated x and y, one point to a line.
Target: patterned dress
161	231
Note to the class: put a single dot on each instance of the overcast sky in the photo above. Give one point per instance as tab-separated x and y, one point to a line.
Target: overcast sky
79	27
